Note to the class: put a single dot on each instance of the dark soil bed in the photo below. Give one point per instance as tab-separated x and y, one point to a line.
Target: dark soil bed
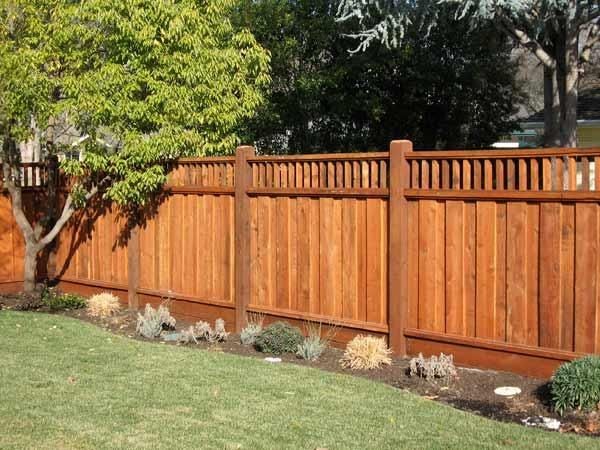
472	390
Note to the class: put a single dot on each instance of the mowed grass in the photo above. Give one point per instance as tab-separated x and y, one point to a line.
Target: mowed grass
66	384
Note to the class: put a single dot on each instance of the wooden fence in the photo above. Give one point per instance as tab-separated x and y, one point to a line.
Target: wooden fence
489	255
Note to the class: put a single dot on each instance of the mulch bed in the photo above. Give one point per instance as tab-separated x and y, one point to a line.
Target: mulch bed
472	390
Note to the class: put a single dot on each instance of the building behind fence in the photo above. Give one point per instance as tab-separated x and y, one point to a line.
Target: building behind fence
489	255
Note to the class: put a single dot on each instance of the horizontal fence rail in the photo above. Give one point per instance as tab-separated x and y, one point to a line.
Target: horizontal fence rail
490	255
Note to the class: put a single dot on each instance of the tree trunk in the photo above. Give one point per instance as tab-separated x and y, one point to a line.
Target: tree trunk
30	268
551	109
568	129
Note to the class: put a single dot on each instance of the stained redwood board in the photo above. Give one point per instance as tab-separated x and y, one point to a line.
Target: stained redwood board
501	244
567	278
455	288
375	287
533	244
282	248
516	273
550	276
586	273
470	267
303	254
413	263
486	270
349	260
428	303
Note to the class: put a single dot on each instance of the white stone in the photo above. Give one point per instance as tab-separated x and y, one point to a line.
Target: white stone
543	422
507	391
272	360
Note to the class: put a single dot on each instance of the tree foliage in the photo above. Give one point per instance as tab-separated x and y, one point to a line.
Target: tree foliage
133	84
452	88
561	34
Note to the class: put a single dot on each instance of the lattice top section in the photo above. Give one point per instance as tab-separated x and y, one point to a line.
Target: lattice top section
32	174
204	172
333	171
518	170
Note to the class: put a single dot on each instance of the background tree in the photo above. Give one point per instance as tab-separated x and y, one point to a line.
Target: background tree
137	83
453	88
560	33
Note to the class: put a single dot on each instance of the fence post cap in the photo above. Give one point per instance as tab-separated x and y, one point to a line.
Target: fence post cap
401	144
245	149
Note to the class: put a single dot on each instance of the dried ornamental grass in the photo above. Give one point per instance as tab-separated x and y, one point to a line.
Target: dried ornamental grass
103	305
366	352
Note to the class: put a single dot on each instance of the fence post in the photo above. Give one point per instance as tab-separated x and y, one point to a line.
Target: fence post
398	245
243	180
133	265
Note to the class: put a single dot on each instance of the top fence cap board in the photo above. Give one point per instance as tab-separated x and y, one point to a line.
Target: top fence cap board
321	157
508	153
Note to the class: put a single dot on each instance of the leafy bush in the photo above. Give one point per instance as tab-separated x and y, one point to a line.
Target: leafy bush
152	323
103	305
278	338
57	301
254	327
366	352
433	367
576	385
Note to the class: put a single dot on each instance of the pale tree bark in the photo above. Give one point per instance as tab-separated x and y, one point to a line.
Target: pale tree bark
551	109
35	239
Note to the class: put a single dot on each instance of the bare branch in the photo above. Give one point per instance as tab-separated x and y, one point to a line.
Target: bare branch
593	38
67	212
16	197
526	41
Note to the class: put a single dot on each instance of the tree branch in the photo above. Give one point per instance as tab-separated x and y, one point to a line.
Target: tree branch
534	46
593	38
16	197
67	212
588	18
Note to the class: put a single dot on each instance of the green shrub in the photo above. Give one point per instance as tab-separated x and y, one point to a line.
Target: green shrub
279	338
576	385
57	301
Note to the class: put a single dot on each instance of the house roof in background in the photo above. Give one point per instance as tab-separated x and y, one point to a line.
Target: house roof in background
588	107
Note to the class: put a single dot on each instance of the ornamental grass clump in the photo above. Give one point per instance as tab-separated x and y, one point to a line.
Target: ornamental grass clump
279	338
154	321
253	328
315	344
576	385
103	305
366	353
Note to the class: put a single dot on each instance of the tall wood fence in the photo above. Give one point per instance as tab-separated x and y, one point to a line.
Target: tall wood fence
489	255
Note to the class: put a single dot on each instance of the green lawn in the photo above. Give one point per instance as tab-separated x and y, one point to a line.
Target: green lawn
66	384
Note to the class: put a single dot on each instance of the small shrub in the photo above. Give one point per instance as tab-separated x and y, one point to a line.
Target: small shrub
203	330
314	344
278	338
253	328
366	352
576	385
152	323
57	301
103	305
433	367
187	336
311	348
